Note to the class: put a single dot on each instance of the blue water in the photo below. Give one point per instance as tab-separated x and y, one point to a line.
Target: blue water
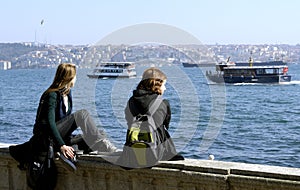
253	123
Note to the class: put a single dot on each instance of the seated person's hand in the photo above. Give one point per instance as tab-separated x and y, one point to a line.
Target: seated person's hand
67	151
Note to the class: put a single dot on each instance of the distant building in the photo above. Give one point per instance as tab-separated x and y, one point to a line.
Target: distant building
4	65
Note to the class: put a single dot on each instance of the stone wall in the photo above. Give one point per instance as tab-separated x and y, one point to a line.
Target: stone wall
95	172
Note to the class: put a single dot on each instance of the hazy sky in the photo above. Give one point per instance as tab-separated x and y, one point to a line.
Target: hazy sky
211	21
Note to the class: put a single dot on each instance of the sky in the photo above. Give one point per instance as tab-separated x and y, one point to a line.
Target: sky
79	22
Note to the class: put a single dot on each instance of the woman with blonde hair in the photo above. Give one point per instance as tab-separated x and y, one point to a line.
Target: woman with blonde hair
55	124
55	117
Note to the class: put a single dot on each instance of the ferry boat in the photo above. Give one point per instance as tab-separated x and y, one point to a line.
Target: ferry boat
258	72
204	64
114	70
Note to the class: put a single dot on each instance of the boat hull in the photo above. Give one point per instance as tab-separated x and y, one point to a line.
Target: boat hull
110	76
240	79
184	64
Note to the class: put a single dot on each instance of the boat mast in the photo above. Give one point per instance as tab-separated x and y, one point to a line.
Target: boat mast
250	59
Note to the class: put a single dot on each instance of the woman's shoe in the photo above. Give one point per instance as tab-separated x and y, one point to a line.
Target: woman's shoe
177	157
104	145
67	163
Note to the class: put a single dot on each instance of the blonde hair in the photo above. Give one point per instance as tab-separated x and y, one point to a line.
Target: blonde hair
152	80
62	82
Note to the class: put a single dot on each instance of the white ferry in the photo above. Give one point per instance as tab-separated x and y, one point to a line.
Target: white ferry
114	70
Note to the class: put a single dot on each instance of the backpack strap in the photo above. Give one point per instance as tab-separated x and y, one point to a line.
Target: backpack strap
155	105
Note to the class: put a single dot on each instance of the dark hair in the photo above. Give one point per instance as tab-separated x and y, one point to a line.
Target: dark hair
152	80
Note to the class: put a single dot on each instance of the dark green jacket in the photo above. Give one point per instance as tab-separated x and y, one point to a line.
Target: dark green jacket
51	109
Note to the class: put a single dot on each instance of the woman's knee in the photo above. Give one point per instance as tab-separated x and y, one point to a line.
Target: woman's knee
83	113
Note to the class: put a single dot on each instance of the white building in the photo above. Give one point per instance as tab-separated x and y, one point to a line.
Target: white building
4	65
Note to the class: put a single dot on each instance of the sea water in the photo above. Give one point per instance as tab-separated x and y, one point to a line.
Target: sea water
250	123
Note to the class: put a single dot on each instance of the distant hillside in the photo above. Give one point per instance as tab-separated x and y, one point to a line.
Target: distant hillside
8	51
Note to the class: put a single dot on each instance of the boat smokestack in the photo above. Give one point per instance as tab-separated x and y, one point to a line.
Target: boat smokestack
250	62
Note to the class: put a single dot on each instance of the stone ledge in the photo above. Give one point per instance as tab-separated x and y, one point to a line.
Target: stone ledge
95	171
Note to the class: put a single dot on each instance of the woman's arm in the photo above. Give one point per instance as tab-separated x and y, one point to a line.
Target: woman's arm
168	113
67	151
51	118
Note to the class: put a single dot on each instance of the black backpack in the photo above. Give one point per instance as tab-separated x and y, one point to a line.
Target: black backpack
142	148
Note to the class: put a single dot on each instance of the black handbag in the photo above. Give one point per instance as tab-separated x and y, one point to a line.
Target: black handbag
41	170
36	170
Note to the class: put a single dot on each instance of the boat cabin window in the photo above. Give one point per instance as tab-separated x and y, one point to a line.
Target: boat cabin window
108	71
268	71
245	72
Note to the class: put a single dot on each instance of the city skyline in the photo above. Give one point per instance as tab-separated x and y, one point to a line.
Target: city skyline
211	22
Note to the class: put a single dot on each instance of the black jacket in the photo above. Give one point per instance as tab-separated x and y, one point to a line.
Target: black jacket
140	103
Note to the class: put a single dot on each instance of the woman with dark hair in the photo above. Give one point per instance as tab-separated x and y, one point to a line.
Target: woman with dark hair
55	124
148	92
